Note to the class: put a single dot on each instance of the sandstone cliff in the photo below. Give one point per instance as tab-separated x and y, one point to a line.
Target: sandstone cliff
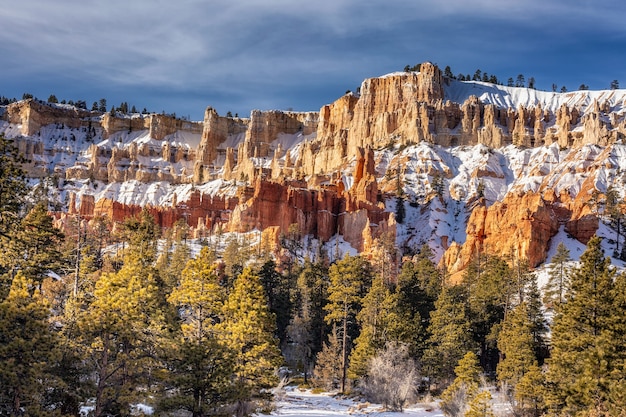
478	167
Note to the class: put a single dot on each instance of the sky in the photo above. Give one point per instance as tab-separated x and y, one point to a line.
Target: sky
238	55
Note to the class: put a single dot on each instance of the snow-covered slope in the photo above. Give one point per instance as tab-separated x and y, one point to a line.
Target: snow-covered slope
513	97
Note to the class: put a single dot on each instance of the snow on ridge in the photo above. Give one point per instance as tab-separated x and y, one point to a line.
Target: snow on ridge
512	97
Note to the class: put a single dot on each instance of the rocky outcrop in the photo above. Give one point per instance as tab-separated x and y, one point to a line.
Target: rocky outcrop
520	226
32	114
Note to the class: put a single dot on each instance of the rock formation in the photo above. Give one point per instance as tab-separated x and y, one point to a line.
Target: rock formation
335	171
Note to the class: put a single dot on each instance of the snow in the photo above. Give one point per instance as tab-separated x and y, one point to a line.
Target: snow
513	97
299	403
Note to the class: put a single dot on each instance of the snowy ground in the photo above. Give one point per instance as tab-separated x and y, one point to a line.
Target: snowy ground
298	403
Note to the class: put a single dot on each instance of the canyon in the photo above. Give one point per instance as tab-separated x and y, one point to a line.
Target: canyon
478	167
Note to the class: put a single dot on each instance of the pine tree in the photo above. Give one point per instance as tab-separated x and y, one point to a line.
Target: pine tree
13	187
378	320
312	295
518	371
515	342
583	360
557	287
28	350
530	393
249	329
171	263
492	289
199	366
464	388
480	406
119	333
349	280
300	335
35	247
449	334
142	233
419	286
278	290
235	256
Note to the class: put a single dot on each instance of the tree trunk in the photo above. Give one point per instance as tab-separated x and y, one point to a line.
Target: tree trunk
344	352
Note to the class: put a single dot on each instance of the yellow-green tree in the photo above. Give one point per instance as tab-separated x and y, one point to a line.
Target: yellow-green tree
518	370
28	351
198	365
248	331
119	332
419	285
465	387
379	323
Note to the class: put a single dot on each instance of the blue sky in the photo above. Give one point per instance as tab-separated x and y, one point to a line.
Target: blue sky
238	55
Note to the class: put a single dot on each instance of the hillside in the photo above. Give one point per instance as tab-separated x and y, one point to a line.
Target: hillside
481	167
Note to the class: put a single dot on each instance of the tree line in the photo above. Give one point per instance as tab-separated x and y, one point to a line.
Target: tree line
518	81
207	334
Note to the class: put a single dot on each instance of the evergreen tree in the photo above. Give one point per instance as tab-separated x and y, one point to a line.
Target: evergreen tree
350	278
530	393
35	246
464	388
515	342
171	263
449	333
312	296
491	290
419	286
518	370
235	255
557	287
249	329
28	351
300	336
584	359
119	333
278	289
378	320
199	366
480	406
13	187
142	233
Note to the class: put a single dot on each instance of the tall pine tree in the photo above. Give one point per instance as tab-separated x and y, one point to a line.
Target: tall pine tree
199	366
584	360
450	335
350	279
249	329
28	351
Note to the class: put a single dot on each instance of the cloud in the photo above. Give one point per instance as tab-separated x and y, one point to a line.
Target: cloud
274	50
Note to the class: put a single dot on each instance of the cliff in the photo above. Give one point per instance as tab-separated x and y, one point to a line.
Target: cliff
477	167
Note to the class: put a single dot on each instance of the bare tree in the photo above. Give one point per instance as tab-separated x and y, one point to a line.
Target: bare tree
392	377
